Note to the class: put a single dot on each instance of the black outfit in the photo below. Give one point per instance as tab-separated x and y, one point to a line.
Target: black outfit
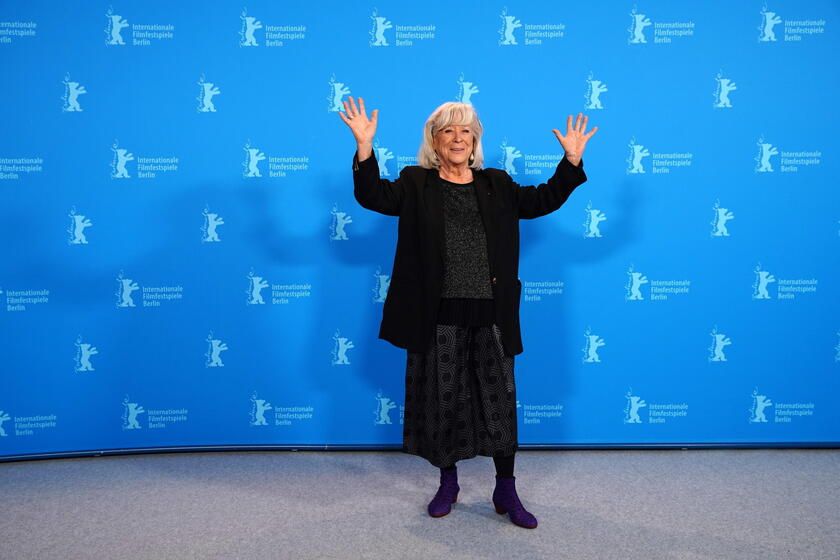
410	312
460	398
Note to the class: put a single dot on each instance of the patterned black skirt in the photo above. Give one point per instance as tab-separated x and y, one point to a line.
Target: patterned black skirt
460	395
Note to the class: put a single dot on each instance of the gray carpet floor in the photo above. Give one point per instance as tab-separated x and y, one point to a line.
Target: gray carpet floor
685	504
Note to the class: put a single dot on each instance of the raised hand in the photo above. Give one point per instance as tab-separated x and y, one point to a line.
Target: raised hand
574	142
362	127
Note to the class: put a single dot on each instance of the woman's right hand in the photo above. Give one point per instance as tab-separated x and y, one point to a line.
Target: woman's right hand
362	127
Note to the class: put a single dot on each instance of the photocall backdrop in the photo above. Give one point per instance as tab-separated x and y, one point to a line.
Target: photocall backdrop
184	263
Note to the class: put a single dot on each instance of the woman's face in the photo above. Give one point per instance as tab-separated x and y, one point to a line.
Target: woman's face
454	144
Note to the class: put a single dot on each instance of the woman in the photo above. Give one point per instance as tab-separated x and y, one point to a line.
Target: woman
453	301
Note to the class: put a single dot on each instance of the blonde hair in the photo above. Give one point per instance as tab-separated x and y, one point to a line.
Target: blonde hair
447	114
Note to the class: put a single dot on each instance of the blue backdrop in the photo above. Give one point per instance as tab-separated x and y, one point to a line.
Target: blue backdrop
184	263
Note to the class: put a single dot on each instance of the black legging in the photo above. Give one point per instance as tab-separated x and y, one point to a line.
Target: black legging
504	466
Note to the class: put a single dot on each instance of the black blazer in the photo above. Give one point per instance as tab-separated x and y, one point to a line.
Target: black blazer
408	318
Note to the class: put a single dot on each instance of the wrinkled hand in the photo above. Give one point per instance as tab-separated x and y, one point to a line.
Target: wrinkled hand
362	127
574	142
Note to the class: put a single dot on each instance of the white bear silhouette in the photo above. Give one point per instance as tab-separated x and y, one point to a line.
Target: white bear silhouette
385	407
383	282
639	152
261	406
467	91
636	281
85	352
511	154
725	85
593	342
633	415
257	284
254	157
213	221
74	90
344	344
761	403
382	24
338	92
133	410
251	25
4	416
722	215
209	90
767	151
770	21
764	278
117	25
721	341
123	157
597	87
595	217
383	156
511	24
216	349
79	224
341	220
128	286
640	21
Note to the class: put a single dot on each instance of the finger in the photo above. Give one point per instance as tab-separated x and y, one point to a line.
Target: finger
569	124
354	109
345	119
577	122
557	134
346	108
362	108
374	116
583	126
591	133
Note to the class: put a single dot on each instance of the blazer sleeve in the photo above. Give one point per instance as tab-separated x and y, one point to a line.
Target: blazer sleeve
373	192
545	198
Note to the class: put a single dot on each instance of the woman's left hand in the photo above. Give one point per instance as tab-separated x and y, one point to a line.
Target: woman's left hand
574	142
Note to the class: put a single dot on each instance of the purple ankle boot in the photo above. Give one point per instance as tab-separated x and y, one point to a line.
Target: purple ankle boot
506	501
446	495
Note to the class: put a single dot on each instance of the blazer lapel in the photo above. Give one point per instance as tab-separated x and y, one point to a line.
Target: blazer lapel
486	207
434	206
